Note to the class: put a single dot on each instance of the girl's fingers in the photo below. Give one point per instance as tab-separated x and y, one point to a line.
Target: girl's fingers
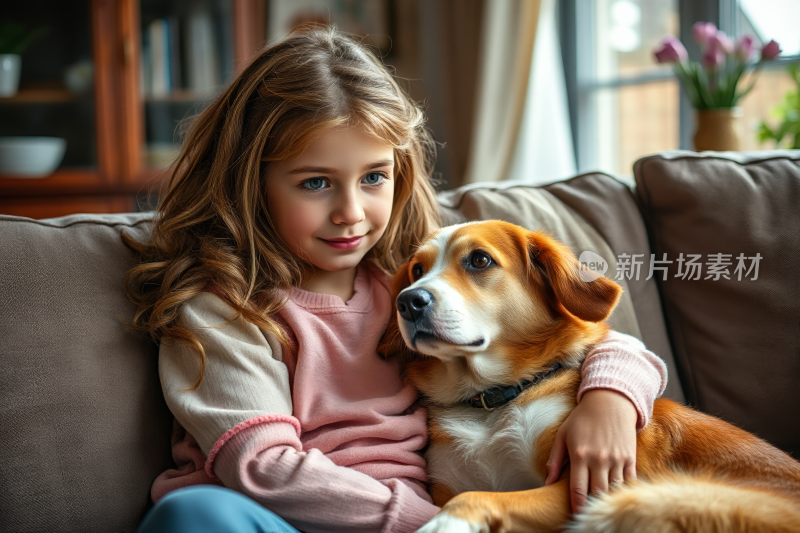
629	472
617	476
578	485
598	480
556	460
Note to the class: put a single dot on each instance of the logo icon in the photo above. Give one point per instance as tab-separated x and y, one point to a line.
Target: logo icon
591	266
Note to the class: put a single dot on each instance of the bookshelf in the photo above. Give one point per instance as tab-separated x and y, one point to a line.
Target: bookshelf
145	78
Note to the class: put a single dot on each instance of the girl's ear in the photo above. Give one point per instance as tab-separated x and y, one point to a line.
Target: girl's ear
556	266
392	343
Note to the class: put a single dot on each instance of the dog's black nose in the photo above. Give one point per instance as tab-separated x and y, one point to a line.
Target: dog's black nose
412	303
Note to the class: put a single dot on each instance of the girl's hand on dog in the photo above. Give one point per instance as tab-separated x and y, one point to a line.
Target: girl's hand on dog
599	438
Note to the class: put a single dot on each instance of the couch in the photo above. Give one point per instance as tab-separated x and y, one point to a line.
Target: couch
83	426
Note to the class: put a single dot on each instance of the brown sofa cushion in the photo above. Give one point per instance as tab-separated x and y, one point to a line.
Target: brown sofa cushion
83	424
737	343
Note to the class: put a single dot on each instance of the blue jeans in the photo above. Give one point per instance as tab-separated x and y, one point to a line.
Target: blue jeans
211	509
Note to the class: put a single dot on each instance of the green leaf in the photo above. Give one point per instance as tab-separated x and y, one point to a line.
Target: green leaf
701	84
764	133
688	85
787	112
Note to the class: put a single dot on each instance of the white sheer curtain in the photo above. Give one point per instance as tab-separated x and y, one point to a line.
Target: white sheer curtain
504	61
521	130
544	152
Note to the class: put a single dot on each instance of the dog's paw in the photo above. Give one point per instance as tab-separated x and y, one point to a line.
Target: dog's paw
447	523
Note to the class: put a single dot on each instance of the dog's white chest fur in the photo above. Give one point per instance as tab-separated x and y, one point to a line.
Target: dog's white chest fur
493	451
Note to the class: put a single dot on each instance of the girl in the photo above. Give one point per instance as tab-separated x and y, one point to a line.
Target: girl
297	193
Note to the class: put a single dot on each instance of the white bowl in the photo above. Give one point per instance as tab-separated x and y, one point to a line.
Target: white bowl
30	157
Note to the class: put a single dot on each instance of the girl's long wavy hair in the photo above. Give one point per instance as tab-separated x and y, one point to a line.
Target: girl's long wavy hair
212	227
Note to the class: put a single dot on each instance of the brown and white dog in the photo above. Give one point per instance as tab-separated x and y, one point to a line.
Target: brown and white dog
492	308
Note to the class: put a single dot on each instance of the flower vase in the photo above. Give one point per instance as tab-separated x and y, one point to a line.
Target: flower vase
718	129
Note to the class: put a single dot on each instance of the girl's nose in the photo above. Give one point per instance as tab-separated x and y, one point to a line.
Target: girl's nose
349	210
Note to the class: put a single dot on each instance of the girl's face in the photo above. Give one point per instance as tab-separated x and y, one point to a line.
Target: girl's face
332	203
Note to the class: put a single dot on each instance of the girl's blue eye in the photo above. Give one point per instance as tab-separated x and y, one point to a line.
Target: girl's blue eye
373	178
314	184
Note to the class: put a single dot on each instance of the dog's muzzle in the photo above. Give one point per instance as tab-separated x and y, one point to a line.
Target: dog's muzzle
412	304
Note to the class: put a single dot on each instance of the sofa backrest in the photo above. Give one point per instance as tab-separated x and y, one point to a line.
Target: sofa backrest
84	426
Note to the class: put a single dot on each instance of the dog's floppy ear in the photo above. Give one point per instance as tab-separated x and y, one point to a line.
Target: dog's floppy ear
556	266
392	343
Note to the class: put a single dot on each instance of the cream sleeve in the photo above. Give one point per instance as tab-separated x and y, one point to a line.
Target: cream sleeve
245	378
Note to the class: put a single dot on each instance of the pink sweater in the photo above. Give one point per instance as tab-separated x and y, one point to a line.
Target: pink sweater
347	456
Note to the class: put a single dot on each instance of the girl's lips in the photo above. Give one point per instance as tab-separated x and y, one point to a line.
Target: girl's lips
343	244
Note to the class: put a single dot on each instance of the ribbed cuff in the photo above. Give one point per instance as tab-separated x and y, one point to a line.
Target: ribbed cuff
263	435
407	511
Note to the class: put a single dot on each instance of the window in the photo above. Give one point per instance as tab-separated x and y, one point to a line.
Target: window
768	19
623	105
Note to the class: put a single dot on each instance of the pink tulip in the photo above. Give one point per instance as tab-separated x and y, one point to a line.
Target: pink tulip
670	50
719	41
770	51
703	31
713	58
745	47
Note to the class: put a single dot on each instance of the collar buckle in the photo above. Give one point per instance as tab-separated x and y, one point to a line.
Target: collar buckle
483	403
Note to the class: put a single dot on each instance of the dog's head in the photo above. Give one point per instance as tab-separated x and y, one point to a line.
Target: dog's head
490	287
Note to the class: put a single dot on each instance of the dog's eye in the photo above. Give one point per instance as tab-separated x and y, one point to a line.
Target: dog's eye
417	271
480	260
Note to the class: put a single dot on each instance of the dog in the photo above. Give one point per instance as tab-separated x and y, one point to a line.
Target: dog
493	322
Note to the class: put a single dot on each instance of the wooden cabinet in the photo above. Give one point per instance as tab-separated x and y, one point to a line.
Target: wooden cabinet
110	127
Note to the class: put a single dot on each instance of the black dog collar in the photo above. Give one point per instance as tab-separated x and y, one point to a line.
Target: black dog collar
497	396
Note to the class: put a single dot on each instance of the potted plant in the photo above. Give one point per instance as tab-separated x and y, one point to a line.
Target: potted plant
787	133
713	84
14	39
